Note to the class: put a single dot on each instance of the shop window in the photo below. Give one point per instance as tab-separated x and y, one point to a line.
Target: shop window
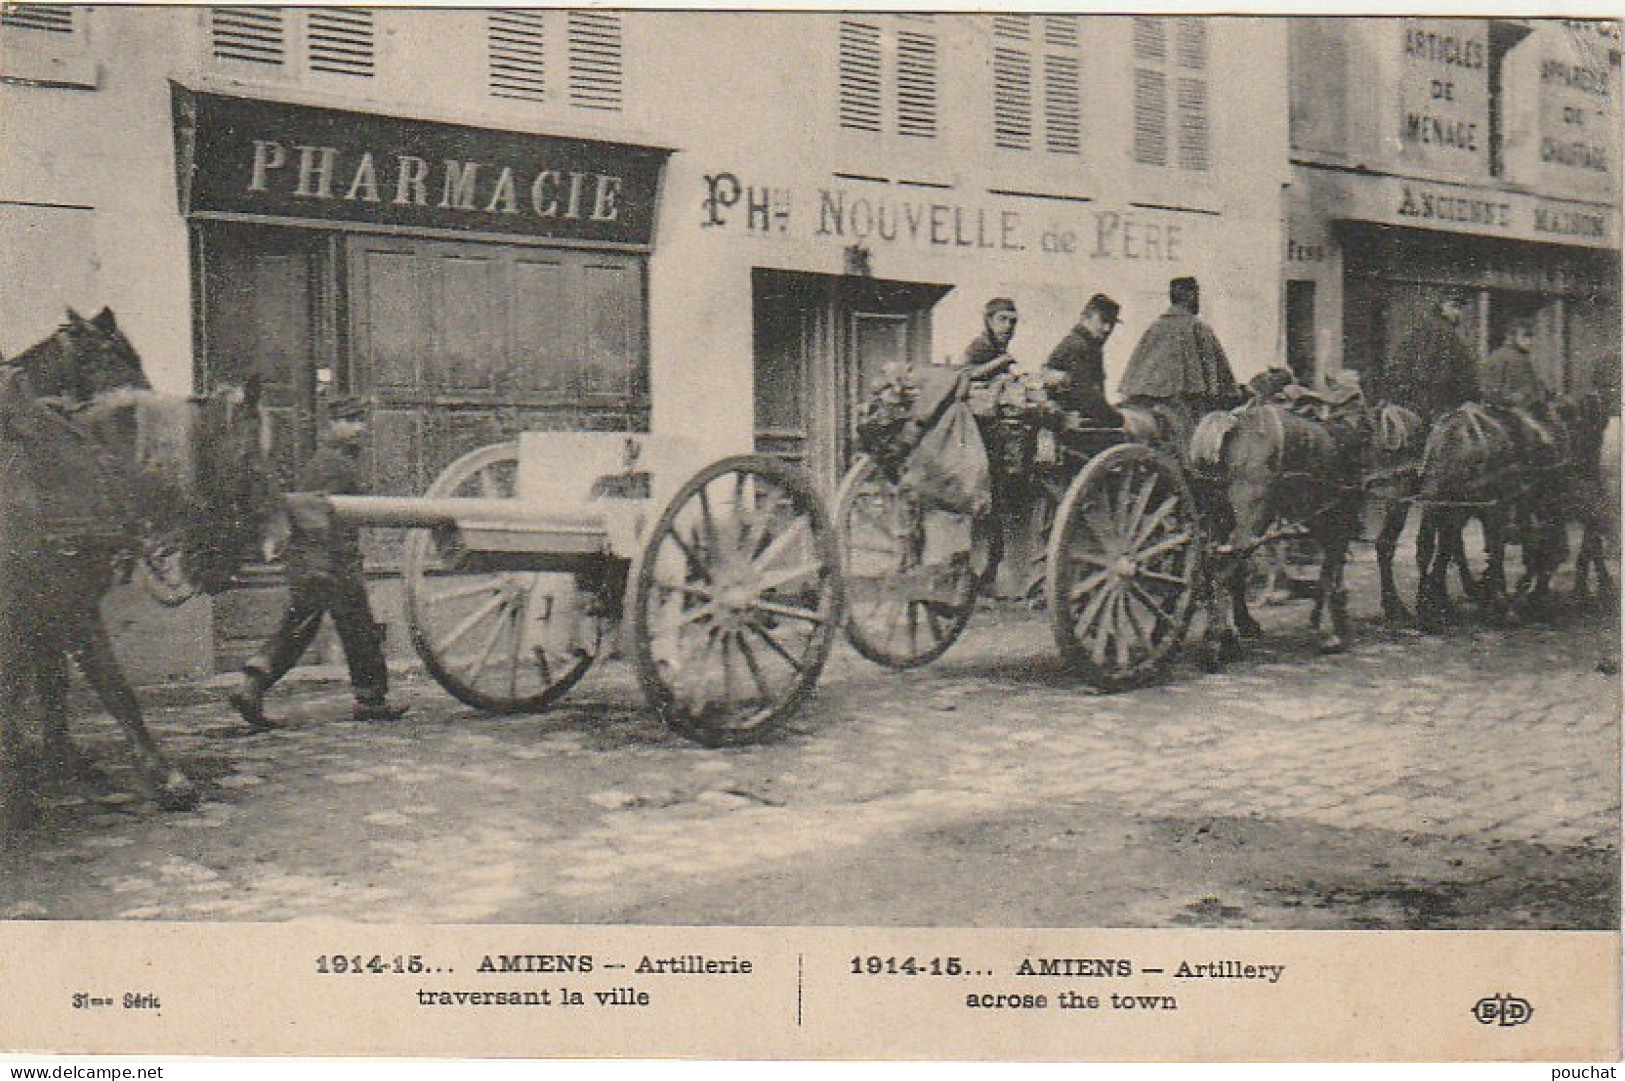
1172	119
464	344
294	41
45	44
1037	100
888	75
575	56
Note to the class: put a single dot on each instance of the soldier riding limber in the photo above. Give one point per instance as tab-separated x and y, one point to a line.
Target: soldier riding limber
1076	367
1179	358
1433	370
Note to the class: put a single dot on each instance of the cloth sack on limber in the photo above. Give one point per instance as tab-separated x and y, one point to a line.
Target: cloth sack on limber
949	467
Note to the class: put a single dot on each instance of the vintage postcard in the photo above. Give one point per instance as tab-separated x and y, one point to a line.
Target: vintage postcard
827	534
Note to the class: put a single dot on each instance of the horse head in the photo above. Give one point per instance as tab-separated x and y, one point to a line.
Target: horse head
101	358
81	359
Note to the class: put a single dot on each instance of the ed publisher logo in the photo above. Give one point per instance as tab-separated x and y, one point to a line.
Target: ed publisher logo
1503	1010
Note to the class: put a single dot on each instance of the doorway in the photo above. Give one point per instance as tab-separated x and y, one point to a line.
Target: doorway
266	305
820	342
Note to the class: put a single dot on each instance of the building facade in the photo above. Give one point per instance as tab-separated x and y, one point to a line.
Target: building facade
721	225
1479	154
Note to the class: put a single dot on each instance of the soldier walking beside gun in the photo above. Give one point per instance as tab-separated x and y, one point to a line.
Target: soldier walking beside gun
325	577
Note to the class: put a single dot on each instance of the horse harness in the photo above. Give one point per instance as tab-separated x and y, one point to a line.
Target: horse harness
1480	421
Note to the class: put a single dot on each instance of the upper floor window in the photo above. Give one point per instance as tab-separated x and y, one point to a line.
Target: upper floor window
888	75
574	56
1172	123
1037	97
46	45
45	18
337	41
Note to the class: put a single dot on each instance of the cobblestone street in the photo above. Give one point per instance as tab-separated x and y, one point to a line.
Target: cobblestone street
1462	781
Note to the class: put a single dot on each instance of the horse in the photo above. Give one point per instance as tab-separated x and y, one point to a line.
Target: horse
1591	493
79	490
1509	469
82	359
1269	462
1431	540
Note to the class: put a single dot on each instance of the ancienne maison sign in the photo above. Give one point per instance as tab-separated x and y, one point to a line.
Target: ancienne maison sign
241	157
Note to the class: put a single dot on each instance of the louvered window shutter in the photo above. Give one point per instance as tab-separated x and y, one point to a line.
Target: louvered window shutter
916	84
1063	86
340	41
254	35
596	73
517	55
1193	125
1192	48
860	75
1171	91
1063	105
1037	83
1150	117
1012	99
1191	103
1150	38
47	18
1012	82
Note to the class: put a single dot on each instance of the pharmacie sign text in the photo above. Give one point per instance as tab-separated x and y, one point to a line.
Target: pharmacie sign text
241	156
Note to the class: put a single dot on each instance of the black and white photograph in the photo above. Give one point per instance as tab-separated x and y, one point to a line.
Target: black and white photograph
829	469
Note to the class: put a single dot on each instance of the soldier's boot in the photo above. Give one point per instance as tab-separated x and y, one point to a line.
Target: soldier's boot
248	699
369	676
374	706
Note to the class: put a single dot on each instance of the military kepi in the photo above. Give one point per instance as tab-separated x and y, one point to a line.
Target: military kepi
1105	306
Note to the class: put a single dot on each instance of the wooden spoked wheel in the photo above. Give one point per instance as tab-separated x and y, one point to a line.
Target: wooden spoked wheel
736	598
910	589
501	640
1124	565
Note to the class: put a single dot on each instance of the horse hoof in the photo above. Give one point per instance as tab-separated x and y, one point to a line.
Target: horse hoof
1229	647
1396	612
178	794
1333	644
1207	658
1249	628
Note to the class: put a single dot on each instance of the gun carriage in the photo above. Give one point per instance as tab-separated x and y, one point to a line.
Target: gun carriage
725	586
